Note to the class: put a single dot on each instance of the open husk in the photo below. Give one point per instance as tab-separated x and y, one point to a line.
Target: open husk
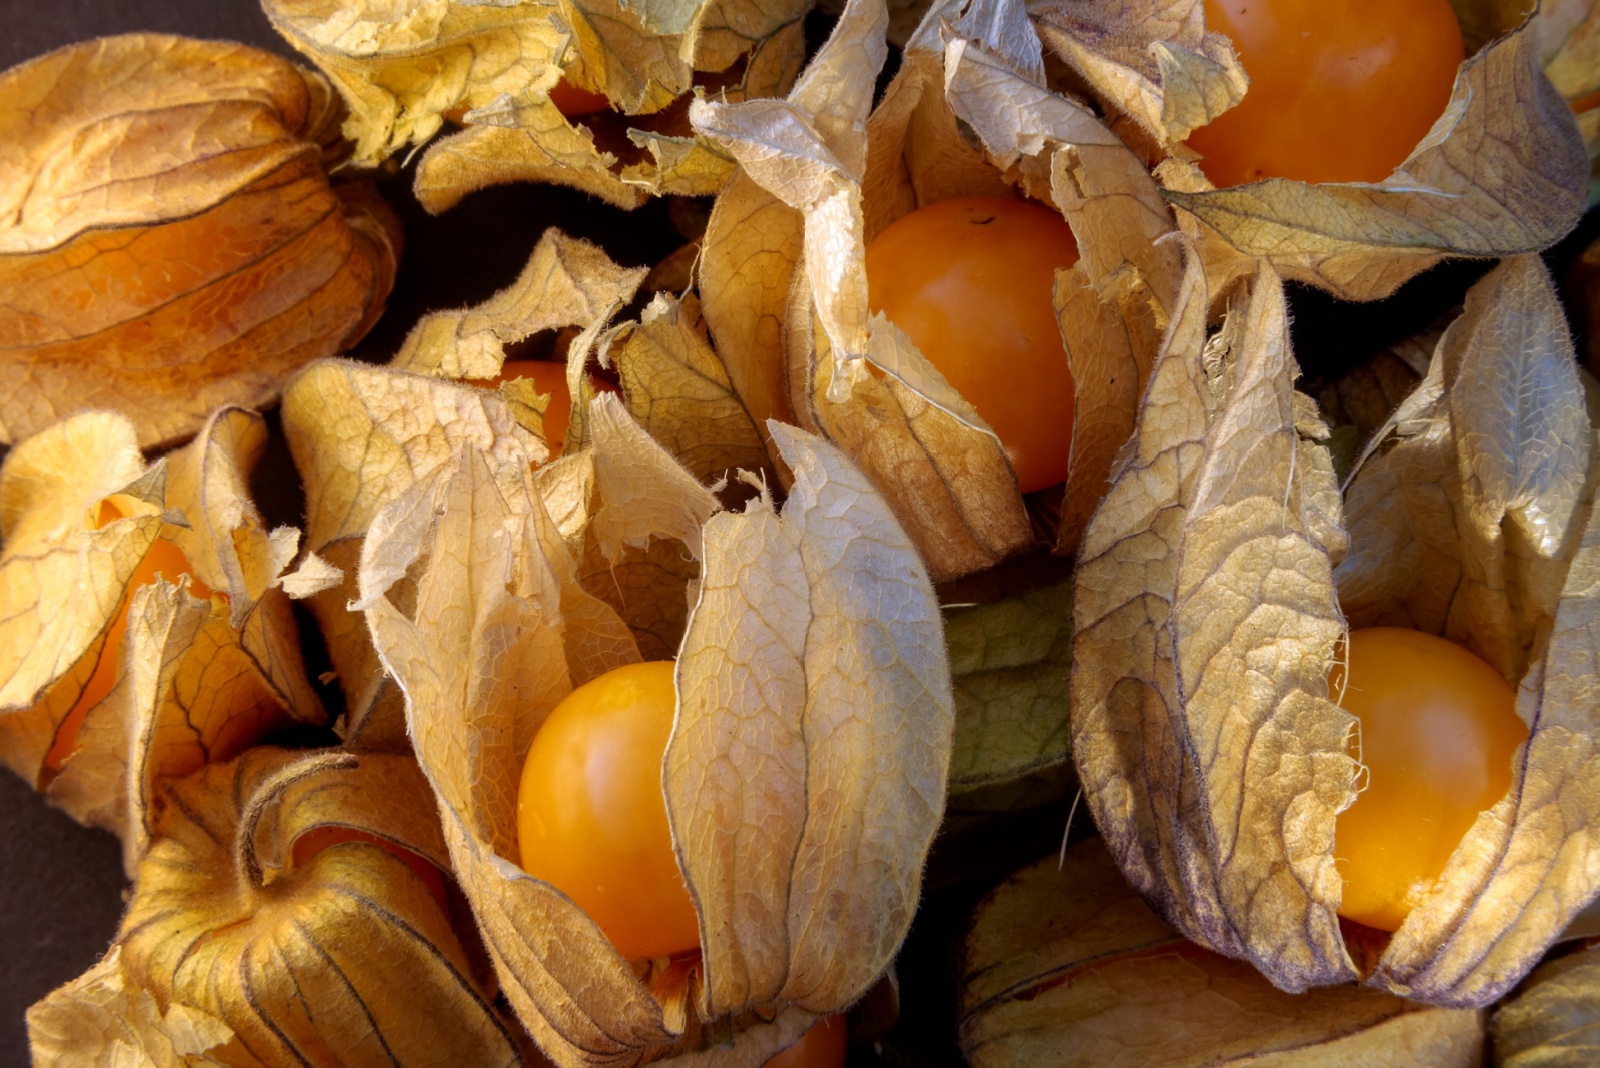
404	70
237	951
169	241
823	173
1065	966
813	646
1503	171
1215	582
198	679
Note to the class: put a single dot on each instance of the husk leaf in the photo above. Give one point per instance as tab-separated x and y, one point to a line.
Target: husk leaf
128	157
1064	965
1503	171
1490	466
362	436
299	960
495	637
1552	1022
1010	661
1205	621
836	177
1569	51
403	71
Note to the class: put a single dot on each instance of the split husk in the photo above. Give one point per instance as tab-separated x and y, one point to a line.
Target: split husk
816	632
1504	170
1215	582
1064	965
403	71
823	173
198	678
237	951
169	241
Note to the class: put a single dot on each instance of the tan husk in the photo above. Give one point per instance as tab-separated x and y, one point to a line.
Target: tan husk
1064	965
169	241
1569	52
404	70
820	178
362	435
198	679
1552	1021
1502	171
1471	517
499	628
233	949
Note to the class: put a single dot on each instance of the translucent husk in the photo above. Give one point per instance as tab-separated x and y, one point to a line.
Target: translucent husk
169	239
1219	574
812	644
198	680
1503	171
404	71
236	952
1063	965
822	173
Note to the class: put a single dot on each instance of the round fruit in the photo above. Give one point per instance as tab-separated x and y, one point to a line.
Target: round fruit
591	819
1438	731
1338	92
575	103
821	1047
972	281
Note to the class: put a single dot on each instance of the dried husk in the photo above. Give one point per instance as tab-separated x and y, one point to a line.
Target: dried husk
199	679
1064	965
783	263
813	646
169	241
1553	1021
362	435
1503	171
233	952
404	70
1569	52
1206	626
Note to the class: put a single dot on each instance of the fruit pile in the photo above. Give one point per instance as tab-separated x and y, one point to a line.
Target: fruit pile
924	423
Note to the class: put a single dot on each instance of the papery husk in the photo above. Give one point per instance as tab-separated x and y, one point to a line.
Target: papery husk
402	71
814	645
1360	401
362	435
1503	171
199	679
228	946
1205	621
1064	965
1569	52
169	241
821	178
1553	1020
1488	537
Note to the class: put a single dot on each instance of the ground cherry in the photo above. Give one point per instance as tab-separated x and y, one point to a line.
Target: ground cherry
575	103
548	377
1338	92
591	820
971	281
1438	731
163	558
821	1047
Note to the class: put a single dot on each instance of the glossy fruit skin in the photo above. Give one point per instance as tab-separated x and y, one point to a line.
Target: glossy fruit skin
575	103
1438	733
591	819
972	282
1339	92
163	558
823	1046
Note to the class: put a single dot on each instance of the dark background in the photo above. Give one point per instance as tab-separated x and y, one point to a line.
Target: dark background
61	886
